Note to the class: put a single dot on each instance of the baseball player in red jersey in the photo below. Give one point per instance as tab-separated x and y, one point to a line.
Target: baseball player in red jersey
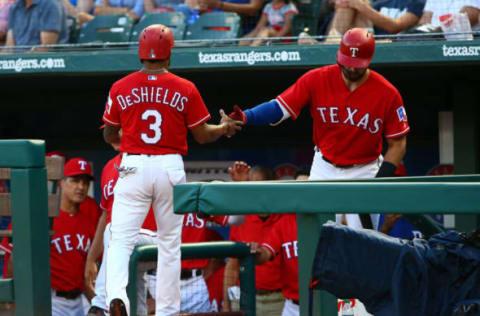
148	235
74	231
155	109
282	240
352	108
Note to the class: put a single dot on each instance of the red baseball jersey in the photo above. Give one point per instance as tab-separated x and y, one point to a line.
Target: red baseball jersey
154	112
267	276
194	230
108	181
282	243
69	246
348	126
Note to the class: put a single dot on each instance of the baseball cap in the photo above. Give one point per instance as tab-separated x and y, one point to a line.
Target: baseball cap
56	153
76	167
401	171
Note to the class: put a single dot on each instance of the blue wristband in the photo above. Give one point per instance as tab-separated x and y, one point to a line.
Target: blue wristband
264	114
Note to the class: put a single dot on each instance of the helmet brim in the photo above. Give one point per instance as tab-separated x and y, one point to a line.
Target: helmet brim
348	61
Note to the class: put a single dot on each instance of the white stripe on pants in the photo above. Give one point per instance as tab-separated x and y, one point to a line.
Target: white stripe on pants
150	182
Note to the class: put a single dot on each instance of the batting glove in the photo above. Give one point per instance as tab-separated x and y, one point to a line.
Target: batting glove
238	114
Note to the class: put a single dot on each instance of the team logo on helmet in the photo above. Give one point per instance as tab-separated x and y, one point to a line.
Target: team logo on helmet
152	53
354	51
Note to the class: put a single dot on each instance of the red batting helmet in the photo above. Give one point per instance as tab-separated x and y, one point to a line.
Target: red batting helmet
356	49
155	42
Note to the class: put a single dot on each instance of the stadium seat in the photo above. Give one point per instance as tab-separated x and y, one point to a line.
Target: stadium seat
112	28
300	22
214	25
174	20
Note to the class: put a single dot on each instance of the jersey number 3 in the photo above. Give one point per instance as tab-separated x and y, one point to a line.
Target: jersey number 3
154	126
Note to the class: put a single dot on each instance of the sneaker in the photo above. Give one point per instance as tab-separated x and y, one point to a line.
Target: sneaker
117	308
96	311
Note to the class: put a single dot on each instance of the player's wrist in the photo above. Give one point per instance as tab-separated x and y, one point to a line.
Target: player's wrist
387	169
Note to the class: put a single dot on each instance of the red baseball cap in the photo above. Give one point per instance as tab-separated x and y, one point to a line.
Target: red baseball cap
56	154
401	171
76	167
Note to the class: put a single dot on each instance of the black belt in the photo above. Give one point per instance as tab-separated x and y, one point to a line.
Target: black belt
266	292
69	295
190	273
335	165
296	302
130	154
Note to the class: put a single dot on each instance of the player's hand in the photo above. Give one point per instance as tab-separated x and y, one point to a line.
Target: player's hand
239	171
238	115
91	271
254	247
232	126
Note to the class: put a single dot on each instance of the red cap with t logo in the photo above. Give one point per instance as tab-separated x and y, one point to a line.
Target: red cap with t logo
76	167
356	49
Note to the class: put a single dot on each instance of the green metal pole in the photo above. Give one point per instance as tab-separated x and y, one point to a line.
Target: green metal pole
31	253
308	232
247	285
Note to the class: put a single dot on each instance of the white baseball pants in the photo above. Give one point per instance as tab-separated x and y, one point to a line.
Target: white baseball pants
322	170
146	180
146	237
67	307
290	308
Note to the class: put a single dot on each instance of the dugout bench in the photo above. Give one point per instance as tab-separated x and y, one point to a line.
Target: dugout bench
23	162
315	202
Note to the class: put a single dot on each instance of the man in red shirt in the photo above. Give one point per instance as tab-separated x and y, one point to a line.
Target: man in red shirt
155	109
353	109
269	299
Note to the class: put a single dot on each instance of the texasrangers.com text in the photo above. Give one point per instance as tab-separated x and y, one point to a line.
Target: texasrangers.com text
250	58
32	63
460	50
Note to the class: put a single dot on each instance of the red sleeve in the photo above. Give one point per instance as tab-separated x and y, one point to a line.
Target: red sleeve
111	116
396	122
197	112
235	233
103	184
273	241
297	96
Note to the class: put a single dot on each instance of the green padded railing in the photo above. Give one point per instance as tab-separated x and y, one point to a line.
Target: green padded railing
220	249
315	202
30	289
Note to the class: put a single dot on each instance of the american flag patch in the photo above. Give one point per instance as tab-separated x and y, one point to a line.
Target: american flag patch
152	77
402	115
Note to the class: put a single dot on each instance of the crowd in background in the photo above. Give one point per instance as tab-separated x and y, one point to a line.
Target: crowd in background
35	22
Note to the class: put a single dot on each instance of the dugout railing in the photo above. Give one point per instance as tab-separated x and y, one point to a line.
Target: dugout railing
203	250
315	202
30	289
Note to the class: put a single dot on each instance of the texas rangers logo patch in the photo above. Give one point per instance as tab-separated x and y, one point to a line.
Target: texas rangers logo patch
402	115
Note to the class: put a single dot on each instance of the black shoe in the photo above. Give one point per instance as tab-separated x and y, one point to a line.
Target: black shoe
96	311
117	308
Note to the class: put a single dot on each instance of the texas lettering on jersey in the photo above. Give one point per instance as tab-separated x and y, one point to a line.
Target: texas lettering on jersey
290	249
69	242
350	116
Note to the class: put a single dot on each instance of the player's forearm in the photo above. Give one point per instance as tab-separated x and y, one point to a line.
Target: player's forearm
97	244
210	133
397	148
266	113
111	134
230	278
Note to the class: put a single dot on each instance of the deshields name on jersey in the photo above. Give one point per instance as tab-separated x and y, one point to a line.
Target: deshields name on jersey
152	95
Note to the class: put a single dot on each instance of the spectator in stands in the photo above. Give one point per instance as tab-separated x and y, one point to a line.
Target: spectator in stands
4	7
249	10
269	299
37	22
79	9
346	18
189	8
276	21
388	16
435	8
133	8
